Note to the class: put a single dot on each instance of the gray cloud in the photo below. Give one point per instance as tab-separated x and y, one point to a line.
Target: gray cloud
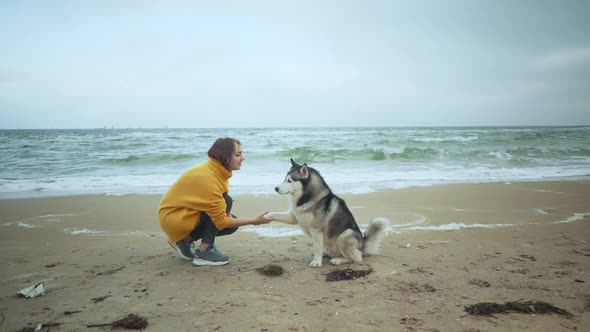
328	63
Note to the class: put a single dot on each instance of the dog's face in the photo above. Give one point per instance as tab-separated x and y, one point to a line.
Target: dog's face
292	184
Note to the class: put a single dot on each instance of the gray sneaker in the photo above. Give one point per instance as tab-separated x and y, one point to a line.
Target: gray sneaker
184	249
214	250
209	258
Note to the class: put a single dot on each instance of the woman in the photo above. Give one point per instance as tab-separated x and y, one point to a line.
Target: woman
197	205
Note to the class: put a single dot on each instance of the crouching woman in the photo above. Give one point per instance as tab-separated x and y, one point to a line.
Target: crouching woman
198	207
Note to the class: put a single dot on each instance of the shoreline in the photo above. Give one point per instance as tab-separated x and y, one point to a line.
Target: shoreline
346	192
422	280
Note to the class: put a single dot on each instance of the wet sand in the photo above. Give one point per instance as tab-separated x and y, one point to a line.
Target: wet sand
104	257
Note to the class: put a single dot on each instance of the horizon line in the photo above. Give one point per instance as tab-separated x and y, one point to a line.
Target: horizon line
303	127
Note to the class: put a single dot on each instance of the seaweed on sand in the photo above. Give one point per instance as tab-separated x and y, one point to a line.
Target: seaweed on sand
347	274
130	322
527	307
271	270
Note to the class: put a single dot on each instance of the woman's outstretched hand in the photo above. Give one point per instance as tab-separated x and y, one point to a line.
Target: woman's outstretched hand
261	219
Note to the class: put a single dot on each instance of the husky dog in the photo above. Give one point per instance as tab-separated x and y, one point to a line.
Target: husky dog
325	218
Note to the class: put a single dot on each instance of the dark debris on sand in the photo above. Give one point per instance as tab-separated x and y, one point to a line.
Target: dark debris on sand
526	307
130	322
271	270
347	274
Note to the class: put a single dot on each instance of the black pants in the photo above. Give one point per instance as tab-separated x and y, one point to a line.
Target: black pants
206	229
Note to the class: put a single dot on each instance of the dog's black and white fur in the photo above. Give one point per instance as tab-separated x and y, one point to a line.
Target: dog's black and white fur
326	219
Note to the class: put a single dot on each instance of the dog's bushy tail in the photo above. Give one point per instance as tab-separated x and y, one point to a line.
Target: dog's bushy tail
374	235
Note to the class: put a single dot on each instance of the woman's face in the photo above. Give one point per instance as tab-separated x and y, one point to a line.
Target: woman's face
235	162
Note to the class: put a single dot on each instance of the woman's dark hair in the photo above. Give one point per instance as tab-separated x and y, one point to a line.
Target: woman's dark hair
222	150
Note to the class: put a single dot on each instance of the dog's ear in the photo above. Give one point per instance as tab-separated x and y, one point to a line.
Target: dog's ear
294	163
304	171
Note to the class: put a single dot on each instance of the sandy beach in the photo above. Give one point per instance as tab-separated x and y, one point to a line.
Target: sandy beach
450	246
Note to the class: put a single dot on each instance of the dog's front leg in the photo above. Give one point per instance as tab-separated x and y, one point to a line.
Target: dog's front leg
286	217
317	237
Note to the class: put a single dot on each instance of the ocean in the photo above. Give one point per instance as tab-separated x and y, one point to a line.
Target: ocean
40	163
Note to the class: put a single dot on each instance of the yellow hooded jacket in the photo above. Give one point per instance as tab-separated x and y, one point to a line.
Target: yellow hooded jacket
200	189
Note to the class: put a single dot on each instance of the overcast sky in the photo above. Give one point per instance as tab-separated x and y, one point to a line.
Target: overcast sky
89	64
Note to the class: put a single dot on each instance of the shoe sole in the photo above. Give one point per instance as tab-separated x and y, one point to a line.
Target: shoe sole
179	252
202	262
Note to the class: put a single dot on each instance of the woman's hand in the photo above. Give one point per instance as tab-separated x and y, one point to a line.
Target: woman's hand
261	219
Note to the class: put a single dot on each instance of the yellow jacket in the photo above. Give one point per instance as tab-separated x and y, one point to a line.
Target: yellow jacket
200	189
